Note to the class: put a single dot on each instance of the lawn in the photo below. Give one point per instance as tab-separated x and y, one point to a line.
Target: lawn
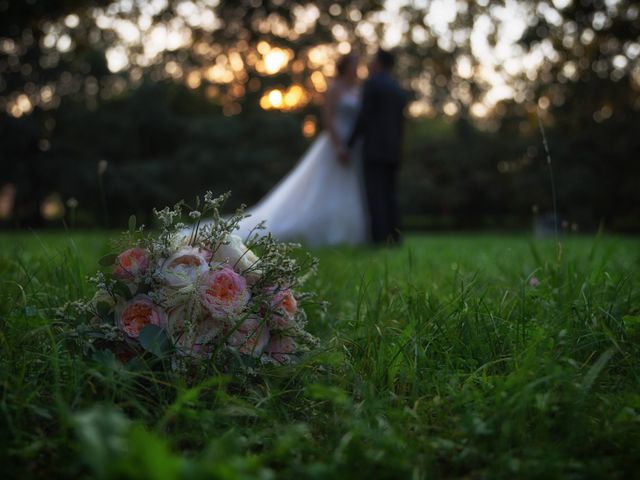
438	359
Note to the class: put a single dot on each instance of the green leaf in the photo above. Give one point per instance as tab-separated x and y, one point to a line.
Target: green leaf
108	260
631	321
143	288
631	324
155	340
103	308
595	370
105	358
121	289
132	223
136	365
333	394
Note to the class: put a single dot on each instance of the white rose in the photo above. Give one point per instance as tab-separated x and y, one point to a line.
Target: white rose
236	254
184	266
181	239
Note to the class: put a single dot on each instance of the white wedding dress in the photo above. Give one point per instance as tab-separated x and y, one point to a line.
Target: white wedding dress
321	201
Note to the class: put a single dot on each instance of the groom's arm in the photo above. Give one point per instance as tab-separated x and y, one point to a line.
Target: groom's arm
364	114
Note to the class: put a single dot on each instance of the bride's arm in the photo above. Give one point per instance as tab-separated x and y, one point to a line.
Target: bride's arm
330	102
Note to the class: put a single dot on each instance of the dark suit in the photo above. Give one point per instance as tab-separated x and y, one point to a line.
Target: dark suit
381	124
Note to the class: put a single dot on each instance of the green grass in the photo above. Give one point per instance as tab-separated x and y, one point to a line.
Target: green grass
438	360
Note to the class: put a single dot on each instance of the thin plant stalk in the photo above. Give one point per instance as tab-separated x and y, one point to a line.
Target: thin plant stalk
554	196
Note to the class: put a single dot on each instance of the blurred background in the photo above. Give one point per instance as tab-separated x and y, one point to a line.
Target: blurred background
109	108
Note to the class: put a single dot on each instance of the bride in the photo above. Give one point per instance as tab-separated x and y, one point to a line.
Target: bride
321	201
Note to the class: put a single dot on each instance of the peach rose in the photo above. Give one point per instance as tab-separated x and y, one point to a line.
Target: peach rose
223	292
250	337
131	263
183	267
139	312
280	347
285	307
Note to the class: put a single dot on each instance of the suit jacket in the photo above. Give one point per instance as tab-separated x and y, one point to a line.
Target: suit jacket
381	120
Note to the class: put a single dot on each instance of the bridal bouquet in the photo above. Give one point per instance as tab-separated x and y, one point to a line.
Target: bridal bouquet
200	293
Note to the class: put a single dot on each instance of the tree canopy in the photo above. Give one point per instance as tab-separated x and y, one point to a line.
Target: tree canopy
107	69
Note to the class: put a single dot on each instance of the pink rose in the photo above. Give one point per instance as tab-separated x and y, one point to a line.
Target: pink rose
250	337
139	312
183	267
131	264
280	347
223	292
285	307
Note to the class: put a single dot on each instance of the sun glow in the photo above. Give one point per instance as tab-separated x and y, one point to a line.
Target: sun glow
275	98
288	99
275	61
309	126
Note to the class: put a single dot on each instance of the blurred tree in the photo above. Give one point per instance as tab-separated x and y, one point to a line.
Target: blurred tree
578	71
591	50
439	63
587	90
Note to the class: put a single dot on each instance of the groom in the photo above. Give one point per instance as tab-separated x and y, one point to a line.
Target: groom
380	124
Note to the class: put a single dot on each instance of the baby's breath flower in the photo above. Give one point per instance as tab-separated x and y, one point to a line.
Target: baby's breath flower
167	215
99	280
